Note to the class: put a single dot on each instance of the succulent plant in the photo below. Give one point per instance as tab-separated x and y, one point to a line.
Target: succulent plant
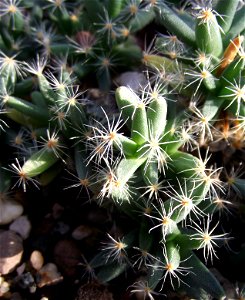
191	109
42	90
157	160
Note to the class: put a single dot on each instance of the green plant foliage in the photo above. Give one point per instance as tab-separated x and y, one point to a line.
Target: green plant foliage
155	159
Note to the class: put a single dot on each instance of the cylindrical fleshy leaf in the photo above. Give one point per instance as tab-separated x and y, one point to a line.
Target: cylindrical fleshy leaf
173	255
126	100
46	89
150	173
114	7
27	108
156	115
208	35
139	130
128	146
39	162
226	10
169	19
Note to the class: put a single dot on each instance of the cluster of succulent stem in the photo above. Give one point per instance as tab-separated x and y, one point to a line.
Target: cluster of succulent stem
155	159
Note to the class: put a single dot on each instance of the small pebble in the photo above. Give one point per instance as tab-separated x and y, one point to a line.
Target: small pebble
67	256
48	275
36	260
133	80
61	228
26	280
22	226
9	209
82	232
20	270
4	286
11	251
57	211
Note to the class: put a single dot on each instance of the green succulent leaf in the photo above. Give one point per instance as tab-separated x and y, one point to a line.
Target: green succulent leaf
111	271
226	11
208	35
175	24
39	162
208	282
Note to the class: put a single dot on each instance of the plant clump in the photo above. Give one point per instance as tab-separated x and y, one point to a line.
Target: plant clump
167	155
